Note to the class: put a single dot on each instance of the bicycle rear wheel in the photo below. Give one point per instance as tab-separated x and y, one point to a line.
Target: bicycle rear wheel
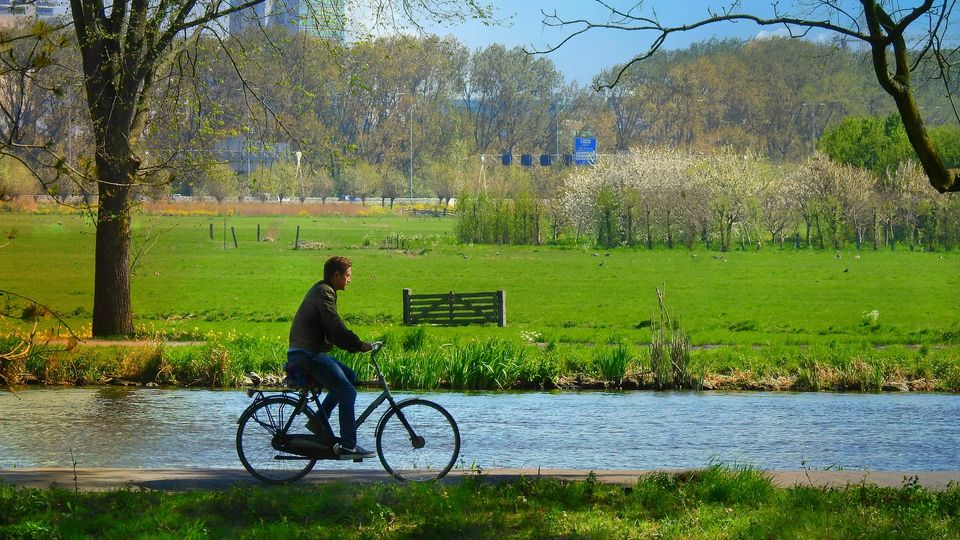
259	427
427	453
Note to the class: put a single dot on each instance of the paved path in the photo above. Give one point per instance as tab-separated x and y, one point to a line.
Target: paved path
188	479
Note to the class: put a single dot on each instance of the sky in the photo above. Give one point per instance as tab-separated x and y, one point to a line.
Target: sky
586	55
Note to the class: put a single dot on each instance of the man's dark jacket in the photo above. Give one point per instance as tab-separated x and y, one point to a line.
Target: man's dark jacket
317	326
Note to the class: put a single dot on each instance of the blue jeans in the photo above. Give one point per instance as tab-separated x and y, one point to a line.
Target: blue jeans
337	379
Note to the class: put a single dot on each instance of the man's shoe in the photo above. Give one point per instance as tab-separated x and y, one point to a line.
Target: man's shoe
355	452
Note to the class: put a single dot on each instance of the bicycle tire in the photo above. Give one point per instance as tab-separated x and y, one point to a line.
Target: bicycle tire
259	424
398	453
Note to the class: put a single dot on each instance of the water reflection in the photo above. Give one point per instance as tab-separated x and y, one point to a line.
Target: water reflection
155	428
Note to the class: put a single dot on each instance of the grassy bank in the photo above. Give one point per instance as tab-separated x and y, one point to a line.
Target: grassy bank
713	503
418	359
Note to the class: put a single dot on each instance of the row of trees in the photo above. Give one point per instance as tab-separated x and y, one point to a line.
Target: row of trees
396	103
773	97
671	198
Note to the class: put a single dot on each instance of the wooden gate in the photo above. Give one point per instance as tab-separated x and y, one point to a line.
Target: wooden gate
452	309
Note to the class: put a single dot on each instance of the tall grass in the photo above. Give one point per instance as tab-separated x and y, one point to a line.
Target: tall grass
613	364
415	339
480	366
416	359
670	350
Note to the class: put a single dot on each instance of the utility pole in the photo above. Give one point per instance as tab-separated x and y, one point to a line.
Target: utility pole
70	135
410	126
411	150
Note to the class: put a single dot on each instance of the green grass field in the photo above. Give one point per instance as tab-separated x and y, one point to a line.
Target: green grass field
825	320
566	294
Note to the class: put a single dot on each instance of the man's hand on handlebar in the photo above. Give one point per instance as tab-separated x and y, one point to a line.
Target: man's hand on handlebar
375	346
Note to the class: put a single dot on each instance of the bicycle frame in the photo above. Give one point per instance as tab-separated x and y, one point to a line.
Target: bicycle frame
305	395
386	395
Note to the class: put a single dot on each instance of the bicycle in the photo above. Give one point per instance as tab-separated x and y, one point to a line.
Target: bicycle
417	439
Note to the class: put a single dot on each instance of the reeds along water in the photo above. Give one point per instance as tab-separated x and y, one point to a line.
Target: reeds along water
612	364
413	360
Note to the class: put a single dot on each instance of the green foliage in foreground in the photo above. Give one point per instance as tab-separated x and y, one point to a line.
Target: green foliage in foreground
713	503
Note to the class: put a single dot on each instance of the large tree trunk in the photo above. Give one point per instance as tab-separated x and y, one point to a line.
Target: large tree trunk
112	314
116	167
113	85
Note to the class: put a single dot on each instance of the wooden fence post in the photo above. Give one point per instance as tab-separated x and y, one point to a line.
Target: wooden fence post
502	308
296	243
450	305
258	232
233	231
406	307
211	231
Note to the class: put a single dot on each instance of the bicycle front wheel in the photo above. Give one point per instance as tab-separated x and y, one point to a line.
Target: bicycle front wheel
257	441
427	450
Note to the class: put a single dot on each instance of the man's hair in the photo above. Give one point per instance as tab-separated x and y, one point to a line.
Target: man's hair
335	264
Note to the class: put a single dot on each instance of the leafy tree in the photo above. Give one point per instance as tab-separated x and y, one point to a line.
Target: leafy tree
283	180
217	180
125	49
731	181
392	184
918	208
876	144
318	183
16	179
277	180
448	175
947	140
359	180
777	211
509	94
858	186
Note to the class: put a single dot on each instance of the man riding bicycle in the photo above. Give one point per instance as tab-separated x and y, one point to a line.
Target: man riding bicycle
316	329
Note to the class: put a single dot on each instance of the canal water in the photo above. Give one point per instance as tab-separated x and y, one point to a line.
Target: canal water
171	428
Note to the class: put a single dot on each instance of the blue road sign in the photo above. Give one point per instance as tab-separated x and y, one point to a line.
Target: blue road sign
585	150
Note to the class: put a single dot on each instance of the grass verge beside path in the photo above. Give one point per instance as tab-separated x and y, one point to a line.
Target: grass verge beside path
713	503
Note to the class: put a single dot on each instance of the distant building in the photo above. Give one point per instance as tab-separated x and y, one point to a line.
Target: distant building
245	18
246	155
320	18
16	11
